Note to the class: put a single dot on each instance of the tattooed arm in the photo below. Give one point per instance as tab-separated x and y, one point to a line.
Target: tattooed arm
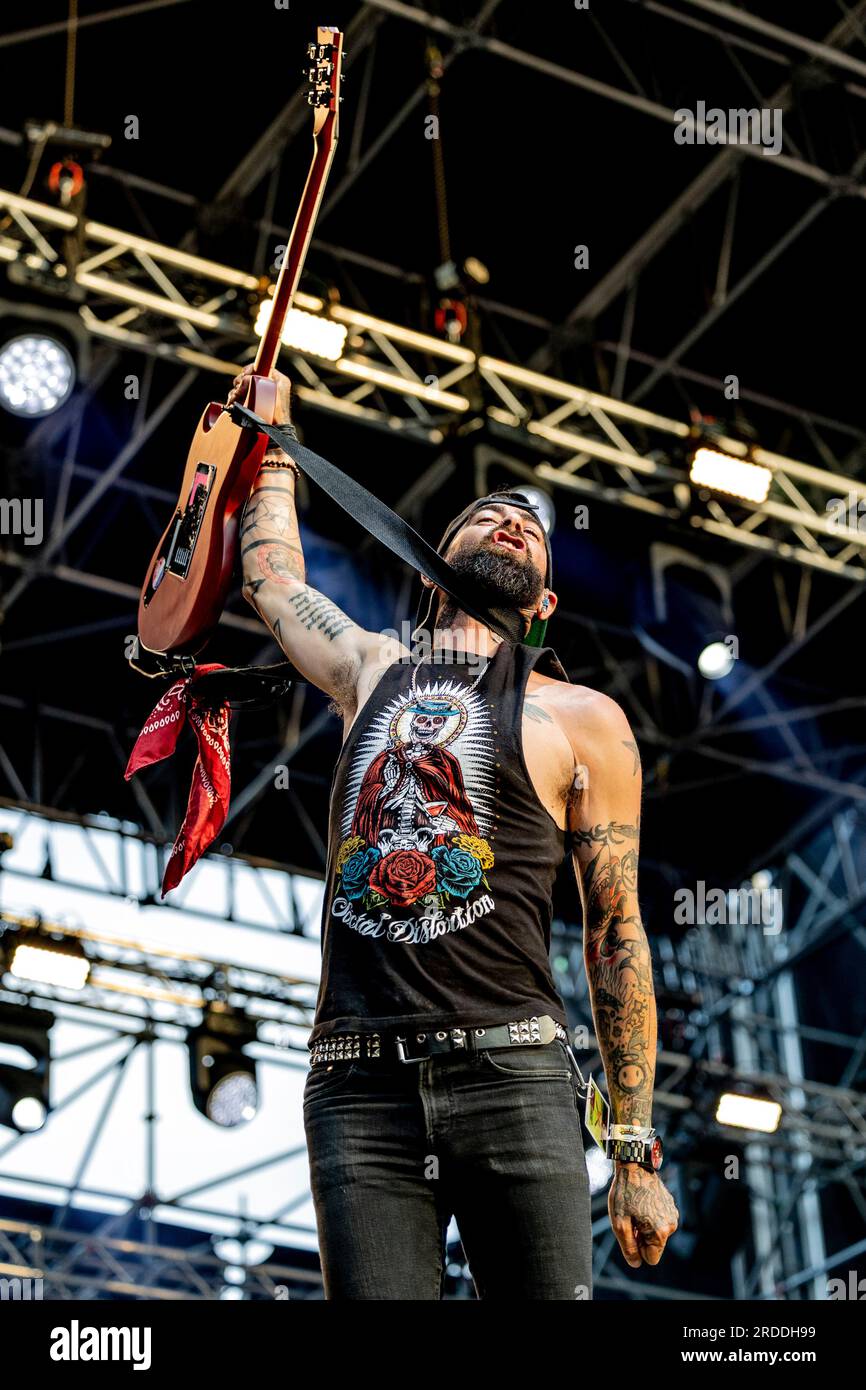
325	644
604	821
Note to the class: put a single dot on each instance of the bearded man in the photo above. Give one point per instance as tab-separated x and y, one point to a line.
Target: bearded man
442	1082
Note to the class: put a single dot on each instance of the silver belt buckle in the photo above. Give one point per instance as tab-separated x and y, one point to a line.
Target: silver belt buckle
457	1036
402	1054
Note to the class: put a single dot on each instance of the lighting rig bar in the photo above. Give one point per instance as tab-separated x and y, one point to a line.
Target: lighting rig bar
395	378
149	985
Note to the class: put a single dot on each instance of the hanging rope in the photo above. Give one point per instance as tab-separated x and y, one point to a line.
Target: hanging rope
71	40
435	71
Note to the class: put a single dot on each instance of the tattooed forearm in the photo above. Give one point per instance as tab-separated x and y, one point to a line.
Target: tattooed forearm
270	540
317	613
619	966
621	986
276	560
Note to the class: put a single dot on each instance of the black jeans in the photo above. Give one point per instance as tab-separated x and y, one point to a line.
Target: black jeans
493	1138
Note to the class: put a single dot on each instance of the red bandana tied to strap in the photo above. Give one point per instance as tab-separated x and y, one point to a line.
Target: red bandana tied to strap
208	803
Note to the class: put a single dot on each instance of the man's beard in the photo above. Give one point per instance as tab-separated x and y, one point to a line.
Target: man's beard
501	579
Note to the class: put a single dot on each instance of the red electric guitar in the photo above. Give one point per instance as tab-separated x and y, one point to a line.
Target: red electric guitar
189	576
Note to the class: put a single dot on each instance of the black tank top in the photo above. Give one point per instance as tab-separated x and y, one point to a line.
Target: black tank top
441	857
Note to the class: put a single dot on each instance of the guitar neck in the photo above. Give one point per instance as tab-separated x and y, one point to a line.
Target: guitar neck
293	262
325	80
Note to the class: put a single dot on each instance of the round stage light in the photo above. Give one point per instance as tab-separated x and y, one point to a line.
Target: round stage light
37	375
544	502
29	1114
222	1076
234	1099
715	661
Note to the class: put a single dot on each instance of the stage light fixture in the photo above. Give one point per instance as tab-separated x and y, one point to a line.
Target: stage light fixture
748	1112
29	1114
24	1090
736	477
37	375
544	502
715	661
306	332
222	1077
38	957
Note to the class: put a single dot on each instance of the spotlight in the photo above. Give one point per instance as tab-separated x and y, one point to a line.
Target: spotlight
715	661
734	476
306	332
37	375
762	880
24	1089
748	1112
36	956
222	1077
544	502
234	1099
29	1114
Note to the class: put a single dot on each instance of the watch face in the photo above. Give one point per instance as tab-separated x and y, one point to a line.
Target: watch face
656	1154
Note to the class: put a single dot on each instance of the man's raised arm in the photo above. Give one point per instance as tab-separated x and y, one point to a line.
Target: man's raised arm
326	646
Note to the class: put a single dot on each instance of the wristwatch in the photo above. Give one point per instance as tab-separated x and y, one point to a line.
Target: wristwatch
635	1144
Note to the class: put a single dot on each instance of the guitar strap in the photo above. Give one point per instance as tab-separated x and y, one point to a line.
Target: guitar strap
260	685
204	694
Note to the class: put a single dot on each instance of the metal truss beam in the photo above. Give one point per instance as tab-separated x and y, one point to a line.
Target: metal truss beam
70	1262
401	380
45	31
592	85
722	167
824	52
127	978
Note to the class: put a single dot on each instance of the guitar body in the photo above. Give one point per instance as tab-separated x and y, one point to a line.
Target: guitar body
190	573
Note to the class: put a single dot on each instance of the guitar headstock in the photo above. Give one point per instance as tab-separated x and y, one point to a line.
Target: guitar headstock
325	79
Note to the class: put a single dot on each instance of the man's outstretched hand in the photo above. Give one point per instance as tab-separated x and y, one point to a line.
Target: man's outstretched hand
284	392
642	1212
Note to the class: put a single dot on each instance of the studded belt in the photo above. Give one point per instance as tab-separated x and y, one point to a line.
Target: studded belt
415	1047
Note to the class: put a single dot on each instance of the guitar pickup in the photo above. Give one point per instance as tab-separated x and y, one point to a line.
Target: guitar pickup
186	530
